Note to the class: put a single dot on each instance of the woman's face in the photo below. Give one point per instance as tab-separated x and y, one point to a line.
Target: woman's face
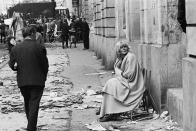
124	50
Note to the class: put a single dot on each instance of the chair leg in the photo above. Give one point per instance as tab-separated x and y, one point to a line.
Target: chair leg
131	115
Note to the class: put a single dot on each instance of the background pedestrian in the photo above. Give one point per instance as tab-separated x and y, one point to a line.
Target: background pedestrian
64	27
85	32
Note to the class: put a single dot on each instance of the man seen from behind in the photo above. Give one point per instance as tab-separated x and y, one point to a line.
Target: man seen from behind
30	61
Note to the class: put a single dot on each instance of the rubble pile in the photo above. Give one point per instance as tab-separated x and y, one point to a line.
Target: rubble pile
12	103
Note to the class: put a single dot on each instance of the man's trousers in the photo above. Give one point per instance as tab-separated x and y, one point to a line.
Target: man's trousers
32	96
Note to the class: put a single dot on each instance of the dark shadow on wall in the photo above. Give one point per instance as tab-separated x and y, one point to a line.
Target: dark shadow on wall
182	14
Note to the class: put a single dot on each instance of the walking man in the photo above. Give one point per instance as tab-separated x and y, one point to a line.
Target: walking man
64	27
85	31
31	63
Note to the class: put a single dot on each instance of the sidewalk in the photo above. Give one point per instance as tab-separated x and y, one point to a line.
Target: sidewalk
86	73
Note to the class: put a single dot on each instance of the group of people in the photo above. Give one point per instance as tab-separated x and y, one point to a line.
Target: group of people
70	30
74	30
122	93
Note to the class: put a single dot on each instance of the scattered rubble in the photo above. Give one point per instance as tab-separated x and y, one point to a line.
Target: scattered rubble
54	99
4	58
164	114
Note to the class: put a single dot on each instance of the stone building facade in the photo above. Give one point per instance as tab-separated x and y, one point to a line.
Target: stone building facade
189	70
156	31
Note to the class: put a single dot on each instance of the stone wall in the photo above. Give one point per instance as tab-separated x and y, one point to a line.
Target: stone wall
189	90
189	70
191	28
164	68
86	10
103	33
161	44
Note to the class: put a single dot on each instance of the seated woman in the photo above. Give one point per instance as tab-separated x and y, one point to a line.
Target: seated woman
123	92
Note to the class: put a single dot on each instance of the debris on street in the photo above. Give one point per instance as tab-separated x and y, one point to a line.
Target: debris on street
95	126
55	97
164	114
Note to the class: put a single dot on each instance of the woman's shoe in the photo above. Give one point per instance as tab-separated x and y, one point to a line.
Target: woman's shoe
105	118
109	117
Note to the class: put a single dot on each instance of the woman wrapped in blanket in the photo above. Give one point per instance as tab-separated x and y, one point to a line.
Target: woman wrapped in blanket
124	92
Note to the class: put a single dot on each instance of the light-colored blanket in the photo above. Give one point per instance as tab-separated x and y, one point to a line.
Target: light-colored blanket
127	86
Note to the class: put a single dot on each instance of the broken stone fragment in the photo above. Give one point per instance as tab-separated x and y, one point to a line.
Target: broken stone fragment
58	104
15	103
164	114
64	115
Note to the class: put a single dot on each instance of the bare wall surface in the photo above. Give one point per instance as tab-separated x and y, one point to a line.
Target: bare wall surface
164	65
189	91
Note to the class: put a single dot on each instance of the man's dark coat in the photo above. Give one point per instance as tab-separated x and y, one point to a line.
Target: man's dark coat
64	27
32	63
86	30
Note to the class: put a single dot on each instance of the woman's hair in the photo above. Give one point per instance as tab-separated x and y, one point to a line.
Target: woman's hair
119	44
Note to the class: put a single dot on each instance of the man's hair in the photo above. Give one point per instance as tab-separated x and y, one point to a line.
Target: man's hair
28	31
